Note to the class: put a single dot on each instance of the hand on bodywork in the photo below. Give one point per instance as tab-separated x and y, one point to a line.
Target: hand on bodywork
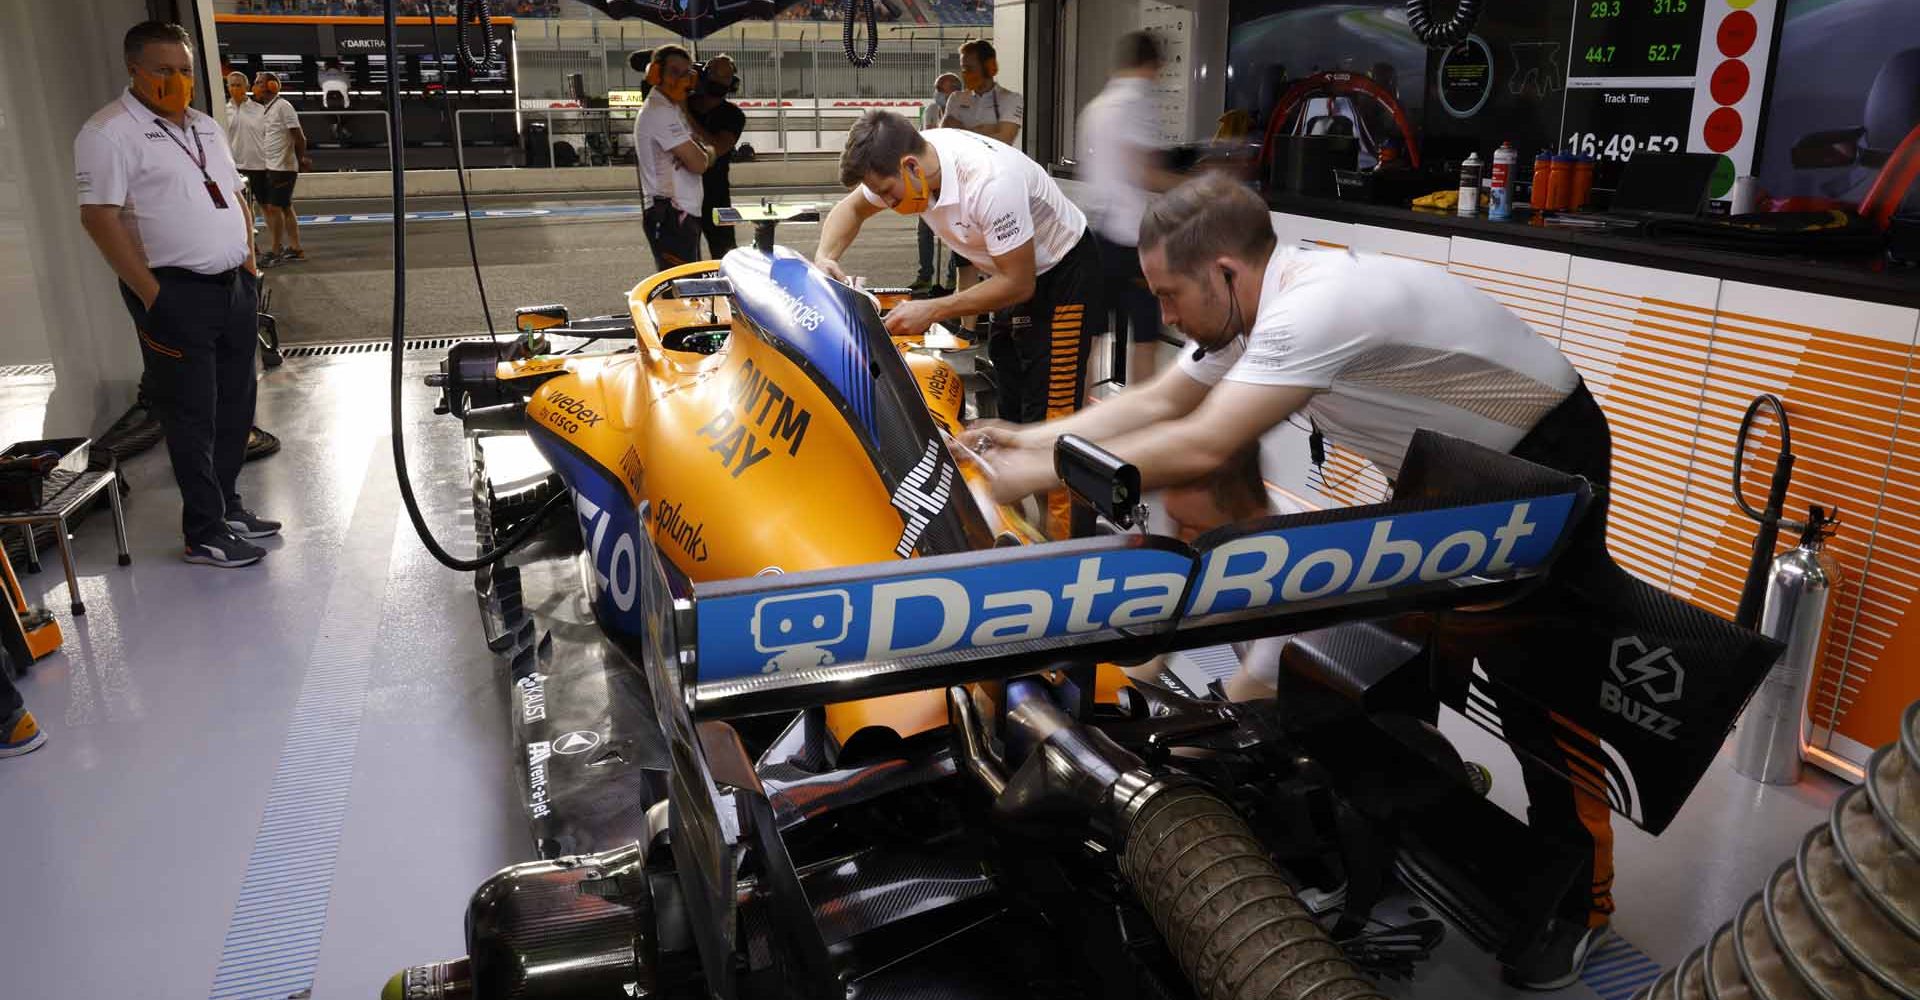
1167	452
1011	284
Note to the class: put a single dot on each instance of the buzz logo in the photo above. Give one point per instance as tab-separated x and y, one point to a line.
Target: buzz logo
1643	678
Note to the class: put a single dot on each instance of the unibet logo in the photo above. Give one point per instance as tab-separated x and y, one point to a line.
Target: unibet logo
1264	569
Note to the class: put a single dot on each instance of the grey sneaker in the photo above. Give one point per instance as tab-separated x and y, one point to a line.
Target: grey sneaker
223	550
246	524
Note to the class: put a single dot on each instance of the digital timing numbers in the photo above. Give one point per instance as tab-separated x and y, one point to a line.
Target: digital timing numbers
1636	38
1620	147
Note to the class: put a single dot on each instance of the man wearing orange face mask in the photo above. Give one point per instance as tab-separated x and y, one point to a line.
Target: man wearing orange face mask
160	196
994	206
670	159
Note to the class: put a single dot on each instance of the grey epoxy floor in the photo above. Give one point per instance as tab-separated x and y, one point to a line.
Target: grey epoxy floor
127	836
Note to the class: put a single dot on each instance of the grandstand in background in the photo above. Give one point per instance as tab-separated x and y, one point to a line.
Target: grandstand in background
959	13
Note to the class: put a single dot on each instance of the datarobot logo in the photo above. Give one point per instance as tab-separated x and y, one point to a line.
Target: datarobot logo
1643	678
1039	593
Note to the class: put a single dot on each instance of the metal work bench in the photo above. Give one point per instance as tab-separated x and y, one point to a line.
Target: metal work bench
67	492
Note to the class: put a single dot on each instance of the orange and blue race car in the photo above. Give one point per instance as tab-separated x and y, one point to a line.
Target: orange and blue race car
797	711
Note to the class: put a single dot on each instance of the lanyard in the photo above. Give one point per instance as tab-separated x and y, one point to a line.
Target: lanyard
213	190
198	161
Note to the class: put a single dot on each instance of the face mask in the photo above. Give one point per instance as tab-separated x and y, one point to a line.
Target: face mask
236	93
972	81
717	89
916	199
171	94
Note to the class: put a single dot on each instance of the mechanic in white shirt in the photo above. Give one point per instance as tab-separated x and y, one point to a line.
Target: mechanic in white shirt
670	160
160	197
982	105
282	151
992	204
1122	166
1371	349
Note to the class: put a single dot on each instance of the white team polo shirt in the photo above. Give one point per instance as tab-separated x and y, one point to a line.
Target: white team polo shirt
1393	346
277	119
127	155
245	123
660	127
1116	131
993	198
971	110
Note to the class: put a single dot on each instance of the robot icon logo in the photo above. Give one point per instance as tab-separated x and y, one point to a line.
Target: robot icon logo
798	628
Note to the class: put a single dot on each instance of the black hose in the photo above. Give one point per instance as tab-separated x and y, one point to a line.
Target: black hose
396	143
466	14
453	118
873	33
1753	592
1442	34
1224	910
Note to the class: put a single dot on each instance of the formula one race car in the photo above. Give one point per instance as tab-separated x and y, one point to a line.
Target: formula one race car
827	722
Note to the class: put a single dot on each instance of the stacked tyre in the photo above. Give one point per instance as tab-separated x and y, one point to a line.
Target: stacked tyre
1841	919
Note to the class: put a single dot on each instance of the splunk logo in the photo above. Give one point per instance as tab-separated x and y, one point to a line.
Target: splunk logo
1040	593
1317	562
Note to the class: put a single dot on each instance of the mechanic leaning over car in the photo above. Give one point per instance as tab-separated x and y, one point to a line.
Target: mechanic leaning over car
160	197
994	206
1369	349
671	160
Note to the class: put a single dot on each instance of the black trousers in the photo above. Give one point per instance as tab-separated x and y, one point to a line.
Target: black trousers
1039	354
198	342
720	239
1133	313
672	235
1575	438
10	700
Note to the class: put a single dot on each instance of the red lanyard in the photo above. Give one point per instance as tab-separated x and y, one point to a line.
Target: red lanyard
213	190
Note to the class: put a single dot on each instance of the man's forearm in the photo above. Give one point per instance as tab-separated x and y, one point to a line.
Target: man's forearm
837	232
1170	453
116	246
996	292
1112	418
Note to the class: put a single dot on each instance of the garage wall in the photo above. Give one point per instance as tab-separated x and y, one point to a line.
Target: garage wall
1674	359
60	62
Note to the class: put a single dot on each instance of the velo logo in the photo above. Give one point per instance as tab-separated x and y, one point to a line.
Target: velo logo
1643	678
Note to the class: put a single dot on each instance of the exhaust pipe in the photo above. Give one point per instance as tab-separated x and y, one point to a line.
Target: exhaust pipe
1841	919
1223	909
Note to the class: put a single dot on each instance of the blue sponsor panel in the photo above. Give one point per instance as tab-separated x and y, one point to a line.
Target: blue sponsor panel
1316	562
918	608
785	295
610	532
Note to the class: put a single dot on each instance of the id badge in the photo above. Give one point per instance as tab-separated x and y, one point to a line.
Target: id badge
213	191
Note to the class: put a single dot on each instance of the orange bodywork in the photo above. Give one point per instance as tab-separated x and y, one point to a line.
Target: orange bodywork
749	467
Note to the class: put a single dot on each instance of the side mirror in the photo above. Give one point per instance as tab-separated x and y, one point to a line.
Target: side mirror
533	319
1832	148
1098	477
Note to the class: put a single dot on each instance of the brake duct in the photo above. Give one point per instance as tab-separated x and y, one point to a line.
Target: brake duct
1841	919
1224	910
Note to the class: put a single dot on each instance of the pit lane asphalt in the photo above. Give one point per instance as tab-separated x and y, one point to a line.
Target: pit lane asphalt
586	253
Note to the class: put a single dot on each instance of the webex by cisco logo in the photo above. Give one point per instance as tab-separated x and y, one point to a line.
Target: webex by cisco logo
890	611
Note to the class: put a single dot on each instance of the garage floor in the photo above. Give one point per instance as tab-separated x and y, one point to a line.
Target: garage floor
290	777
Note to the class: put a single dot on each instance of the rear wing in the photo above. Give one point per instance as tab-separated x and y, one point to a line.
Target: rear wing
1471	526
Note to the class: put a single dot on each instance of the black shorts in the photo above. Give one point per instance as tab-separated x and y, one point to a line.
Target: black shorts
272	187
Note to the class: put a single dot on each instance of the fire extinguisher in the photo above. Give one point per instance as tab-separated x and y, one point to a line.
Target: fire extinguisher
1788	598
1797	612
